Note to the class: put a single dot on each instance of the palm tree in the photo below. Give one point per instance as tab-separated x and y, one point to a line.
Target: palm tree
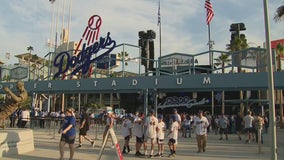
123	56
222	60
239	43
30	49
279	53
279	14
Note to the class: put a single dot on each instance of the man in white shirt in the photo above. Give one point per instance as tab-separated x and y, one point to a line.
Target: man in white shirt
248	122
201	123
25	118
138	132
151	126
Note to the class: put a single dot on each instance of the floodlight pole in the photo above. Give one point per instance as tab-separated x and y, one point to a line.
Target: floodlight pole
272	122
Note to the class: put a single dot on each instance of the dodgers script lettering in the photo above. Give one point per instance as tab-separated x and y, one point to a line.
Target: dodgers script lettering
83	60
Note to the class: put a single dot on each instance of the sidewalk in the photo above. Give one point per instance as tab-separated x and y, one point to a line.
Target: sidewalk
46	148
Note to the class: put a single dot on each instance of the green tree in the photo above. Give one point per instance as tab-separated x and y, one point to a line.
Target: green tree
122	56
222	60
279	14
279	53
239	43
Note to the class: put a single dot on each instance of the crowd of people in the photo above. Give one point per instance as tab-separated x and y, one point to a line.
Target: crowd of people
153	133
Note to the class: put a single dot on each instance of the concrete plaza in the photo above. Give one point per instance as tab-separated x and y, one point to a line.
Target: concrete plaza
46	148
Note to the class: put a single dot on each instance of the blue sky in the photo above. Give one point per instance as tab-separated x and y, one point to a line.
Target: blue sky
27	23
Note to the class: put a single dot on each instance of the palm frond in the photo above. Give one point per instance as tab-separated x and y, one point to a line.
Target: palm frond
279	14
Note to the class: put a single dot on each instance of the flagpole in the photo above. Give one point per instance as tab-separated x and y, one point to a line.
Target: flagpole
160	27
160	38
160	32
209	16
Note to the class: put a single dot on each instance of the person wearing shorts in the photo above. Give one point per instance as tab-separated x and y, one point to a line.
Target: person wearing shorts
68	133
248	123
84	128
138	132
160	136
126	132
173	136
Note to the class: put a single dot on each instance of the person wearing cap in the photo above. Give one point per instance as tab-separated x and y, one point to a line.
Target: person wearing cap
138	132
151	126
160	135
68	133
109	123
173	136
126	132
201	123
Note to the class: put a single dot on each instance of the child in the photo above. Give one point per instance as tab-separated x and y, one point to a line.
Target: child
160	136
173	135
126	132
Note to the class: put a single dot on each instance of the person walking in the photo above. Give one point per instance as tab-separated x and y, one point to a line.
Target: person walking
201	123
84	128
173	135
248	123
126	132
68	133
223	123
239	125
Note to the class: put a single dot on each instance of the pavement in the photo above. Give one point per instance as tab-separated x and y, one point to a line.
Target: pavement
47	140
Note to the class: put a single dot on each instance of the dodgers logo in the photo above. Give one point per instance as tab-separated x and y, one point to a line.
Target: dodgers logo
93	45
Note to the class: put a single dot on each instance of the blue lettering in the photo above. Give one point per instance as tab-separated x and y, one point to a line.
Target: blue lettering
84	59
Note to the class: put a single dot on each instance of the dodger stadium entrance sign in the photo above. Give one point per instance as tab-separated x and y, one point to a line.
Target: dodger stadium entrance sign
206	82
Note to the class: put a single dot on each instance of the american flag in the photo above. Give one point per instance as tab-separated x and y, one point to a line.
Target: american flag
210	12
159	15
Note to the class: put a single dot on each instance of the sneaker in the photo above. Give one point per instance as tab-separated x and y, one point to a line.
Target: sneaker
157	155
93	144
79	146
203	149
138	154
161	155
150	156
171	155
124	152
